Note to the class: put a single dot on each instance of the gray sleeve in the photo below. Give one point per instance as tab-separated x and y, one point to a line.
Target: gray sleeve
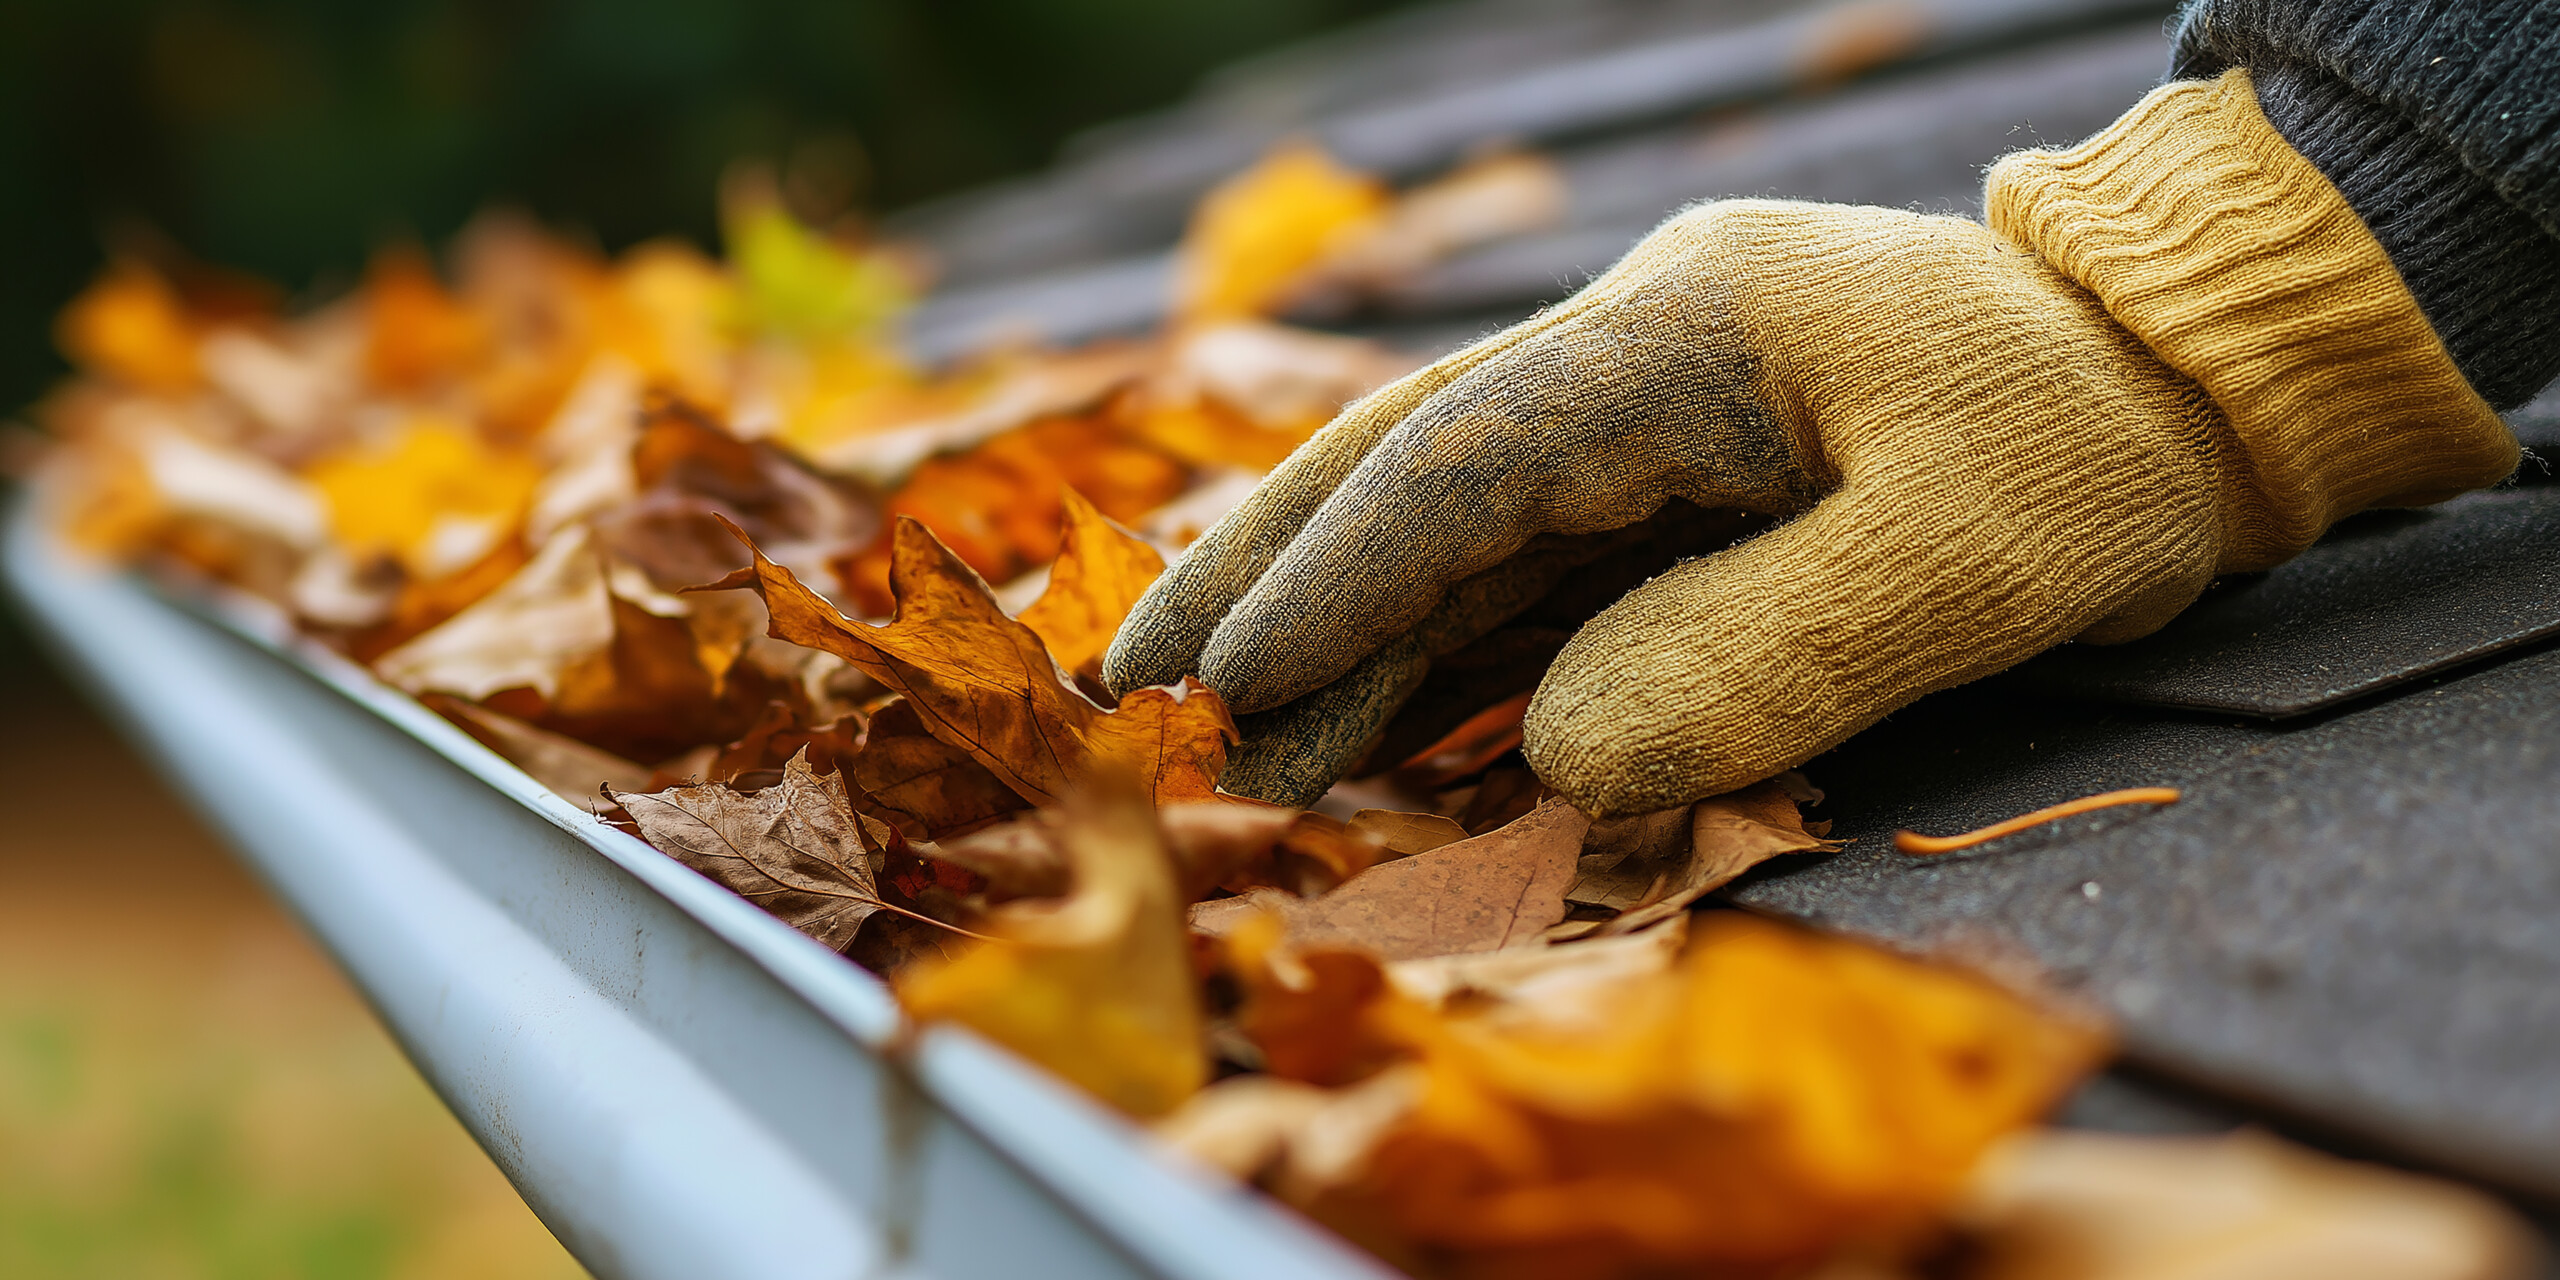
2440	121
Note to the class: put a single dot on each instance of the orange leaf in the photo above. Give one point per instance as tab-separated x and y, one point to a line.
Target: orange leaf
131	325
1097	579
982	681
1096	987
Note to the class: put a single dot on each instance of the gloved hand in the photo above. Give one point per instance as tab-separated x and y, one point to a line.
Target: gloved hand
2174	352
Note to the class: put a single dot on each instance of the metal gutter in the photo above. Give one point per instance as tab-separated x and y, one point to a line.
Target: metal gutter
681	1086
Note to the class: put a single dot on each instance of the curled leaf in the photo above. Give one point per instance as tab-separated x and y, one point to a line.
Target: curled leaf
982	682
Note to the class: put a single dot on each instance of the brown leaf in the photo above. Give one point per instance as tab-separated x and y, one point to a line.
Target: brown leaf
982	681
925	785
777	735
572	769
1494	890
1098	576
794	848
1406	834
1214	844
1653	866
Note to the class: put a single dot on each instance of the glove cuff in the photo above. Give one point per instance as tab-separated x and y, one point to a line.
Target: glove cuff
2237	262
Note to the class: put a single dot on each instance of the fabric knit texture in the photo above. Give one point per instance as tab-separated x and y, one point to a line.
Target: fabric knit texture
2439	120
2211	239
2182	354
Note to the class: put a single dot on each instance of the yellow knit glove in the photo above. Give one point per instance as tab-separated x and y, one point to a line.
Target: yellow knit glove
2175	352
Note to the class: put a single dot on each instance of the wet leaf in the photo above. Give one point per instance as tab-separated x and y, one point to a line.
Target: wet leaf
981	681
1097	986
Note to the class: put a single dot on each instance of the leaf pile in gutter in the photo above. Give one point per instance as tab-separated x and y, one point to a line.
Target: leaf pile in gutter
691	541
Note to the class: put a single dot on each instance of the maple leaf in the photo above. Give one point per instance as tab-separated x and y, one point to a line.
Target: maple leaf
924	785
1097	578
794	848
982	681
1096	986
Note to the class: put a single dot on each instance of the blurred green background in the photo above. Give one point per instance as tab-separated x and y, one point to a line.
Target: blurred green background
187	1088
288	137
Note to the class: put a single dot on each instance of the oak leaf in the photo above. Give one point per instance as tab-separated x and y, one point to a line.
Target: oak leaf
1096	986
794	848
981	681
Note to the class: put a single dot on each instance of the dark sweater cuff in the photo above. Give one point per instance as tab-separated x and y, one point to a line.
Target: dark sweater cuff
2483	271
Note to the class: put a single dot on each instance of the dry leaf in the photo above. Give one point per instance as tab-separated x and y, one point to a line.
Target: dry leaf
571	769
781	732
432	496
1653	866
554	612
1555	985
1406	834
131	325
2070	1205
1495	890
794	848
982	682
928	787
1254	236
1213	843
1099	575
1772	1099
1096	986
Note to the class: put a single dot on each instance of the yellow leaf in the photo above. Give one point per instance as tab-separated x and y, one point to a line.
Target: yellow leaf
1096	580
1096	986
1254	236
432	496
131	325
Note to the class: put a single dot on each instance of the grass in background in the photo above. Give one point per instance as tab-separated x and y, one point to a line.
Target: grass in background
187	1088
